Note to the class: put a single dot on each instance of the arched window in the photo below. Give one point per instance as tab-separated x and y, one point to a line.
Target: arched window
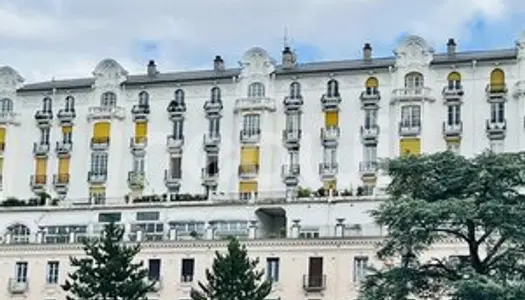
70	103
295	90
256	89
6	105
108	99
454	81
143	98
497	80
414	81
19	234
47	104
332	88
179	96
215	94
371	85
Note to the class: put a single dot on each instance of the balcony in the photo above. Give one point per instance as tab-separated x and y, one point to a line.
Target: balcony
140	112
172	179
17	286
63	148
290	174
176	110
412	95
254	104
138	145
293	104
452	130
328	170
97	177
248	171
370	98
99	143
496	93
496	130
136	180
8	117
210	176
174	143
40	149
61	183
406	129
106	113
250	136
38	183
452	93
66	116
291	137
368	169
211	142
213	108
330	102
43	118
330	136
314	283
369	134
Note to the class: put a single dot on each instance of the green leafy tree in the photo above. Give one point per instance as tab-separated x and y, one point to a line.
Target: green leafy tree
477	203
108	271
233	277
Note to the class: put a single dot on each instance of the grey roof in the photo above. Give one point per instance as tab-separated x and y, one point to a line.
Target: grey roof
302	68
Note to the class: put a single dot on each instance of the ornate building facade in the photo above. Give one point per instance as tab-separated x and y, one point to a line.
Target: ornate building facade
184	159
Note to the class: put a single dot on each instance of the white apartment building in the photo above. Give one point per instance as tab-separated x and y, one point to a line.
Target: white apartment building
184	159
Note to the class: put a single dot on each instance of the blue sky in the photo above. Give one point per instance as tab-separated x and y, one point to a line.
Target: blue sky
43	39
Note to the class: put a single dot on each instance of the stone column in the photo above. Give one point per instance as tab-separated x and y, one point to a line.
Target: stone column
210	231
40	237
295	228
172	234
252	230
72	237
139	236
8	238
339	227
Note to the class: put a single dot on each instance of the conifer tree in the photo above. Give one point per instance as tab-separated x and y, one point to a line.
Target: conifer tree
108	271
233	277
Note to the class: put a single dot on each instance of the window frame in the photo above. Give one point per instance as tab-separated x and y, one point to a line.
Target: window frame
256	90
332	88
99	163
411	116
251	124
108	99
295	90
52	272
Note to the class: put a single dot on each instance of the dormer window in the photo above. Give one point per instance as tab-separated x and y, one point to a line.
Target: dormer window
108	99
70	103
256	90
215	95
6	105
371	86
414	81
454	81
295	90
332	88
47	104
143	99
179	97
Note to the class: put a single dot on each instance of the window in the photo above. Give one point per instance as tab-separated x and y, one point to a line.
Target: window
19	234
414	81
108	99
99	163
315	272
70	103
97	196
370	118
178	129
148	216
370	153
212	164
6	105
330	156
143	99
332	88
454	81
44	135
60	234
179	97
151	231
294	158
497	80
411	116
214	129
293	122
187	270
454	115
295	90
497	112
234	228
256	89
185	228
360	268
138	164
272	269
215	95
52	272
109	217
175	167
47	104
371	86
21	271
154	269
309	233
251	125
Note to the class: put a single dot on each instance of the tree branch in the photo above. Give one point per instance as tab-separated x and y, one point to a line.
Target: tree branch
453	275
484	237
494	250
453	232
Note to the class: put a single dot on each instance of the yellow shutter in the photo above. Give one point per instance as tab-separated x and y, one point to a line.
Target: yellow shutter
248	187
101	130
67	129
331	118
454	76
249	156
141	132
63	165
409	146
497	80
41	166
2	134
97	189
372	82
330	185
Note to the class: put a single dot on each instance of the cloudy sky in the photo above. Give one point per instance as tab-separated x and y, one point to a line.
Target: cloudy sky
43	39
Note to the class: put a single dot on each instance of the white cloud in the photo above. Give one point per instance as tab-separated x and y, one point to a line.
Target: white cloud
57	38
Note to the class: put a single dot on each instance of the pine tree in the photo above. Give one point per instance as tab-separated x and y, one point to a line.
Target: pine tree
108	271
233	277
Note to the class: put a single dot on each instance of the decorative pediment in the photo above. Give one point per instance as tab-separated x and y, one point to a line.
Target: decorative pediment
257	61
109	69
413	51
9	78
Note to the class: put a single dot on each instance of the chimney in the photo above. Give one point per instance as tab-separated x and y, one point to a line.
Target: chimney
367	51
451	47
218	63
152	68
288	58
